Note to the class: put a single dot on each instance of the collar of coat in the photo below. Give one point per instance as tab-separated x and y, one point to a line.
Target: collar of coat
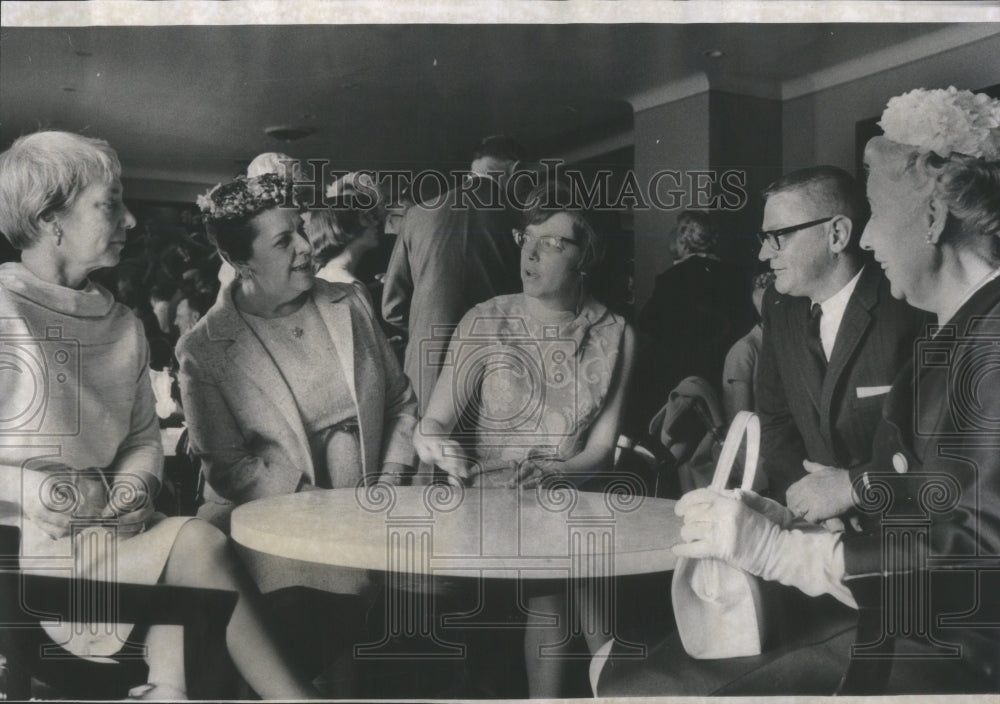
225	322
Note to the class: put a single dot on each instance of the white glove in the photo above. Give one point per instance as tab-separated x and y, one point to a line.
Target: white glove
728	526
722	525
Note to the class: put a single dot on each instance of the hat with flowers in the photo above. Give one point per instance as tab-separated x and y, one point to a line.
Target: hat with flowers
945	121
245	196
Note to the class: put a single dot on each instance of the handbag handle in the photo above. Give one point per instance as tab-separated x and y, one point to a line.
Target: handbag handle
747	423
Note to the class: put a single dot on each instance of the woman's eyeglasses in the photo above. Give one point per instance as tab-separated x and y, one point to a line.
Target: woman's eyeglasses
771	236
546	243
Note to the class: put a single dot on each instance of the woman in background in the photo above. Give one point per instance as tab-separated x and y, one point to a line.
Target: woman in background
739	373
349	228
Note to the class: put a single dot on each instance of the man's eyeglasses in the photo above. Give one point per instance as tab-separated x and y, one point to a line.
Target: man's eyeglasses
771	236
546	243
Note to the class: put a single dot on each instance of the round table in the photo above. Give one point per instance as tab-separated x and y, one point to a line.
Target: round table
441	530
433	542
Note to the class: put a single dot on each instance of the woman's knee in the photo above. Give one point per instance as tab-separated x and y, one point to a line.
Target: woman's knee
201	536
200	556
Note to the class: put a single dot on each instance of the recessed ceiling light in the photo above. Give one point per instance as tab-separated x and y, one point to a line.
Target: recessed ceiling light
289	133
712	54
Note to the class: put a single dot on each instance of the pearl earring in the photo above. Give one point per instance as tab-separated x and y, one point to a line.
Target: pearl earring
59	234
930	237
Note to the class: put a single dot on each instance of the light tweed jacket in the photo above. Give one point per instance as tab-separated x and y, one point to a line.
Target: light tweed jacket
243	421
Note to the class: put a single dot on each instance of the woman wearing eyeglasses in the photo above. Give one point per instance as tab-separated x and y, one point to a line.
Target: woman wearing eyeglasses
535	382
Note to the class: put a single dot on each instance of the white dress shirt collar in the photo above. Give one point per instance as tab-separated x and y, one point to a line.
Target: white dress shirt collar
833	312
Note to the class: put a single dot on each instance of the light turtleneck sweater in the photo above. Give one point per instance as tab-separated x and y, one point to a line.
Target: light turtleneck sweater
75	377
74	396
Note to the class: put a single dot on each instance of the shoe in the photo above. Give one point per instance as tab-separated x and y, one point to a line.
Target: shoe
156	693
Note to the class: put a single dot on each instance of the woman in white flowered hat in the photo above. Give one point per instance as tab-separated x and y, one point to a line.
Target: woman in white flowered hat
932	489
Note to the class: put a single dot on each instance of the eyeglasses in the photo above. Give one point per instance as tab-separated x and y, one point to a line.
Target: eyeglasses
771	236
546	243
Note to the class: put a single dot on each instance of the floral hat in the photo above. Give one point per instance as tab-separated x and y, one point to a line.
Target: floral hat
945	121
245	197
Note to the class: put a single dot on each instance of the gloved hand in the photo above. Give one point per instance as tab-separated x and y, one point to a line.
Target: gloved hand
778	513
722	525
728	526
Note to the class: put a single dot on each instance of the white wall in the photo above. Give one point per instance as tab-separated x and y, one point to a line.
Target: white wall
819	128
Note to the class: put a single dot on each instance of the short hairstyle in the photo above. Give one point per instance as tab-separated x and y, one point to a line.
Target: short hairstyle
331	229
500	147
702	238
548	199
43	173
833	191
969	186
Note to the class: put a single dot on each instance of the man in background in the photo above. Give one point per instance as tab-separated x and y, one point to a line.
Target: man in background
451	257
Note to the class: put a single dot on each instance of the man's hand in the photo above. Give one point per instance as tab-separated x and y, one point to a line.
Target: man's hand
822	494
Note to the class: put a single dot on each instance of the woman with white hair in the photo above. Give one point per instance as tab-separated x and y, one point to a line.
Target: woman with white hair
80	454
932	488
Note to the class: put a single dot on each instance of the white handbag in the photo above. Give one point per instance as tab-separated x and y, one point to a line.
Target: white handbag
718	607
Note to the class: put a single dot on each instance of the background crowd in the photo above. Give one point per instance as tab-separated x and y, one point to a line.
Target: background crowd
296	364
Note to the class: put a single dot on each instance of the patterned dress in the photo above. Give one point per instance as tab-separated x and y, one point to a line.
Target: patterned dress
531	380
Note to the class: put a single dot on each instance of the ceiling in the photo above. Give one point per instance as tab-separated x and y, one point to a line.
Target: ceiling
190	103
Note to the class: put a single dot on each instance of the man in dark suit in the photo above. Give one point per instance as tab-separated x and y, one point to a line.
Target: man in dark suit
450	257
834	340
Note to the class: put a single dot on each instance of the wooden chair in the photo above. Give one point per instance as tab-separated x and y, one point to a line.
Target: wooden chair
26	599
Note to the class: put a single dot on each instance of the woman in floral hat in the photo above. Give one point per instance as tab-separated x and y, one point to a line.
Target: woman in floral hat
288	383
929	564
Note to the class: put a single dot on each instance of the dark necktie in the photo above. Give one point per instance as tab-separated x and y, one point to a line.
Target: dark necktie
813	339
